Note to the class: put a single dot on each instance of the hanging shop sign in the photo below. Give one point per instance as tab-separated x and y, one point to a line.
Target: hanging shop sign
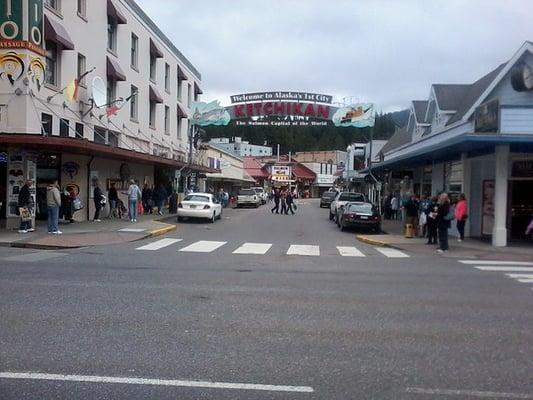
15	33
71	168
522	169
285	96
281	173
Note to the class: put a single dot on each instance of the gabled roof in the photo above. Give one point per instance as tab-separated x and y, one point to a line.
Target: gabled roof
302	172
420	107
474	92
254	168
400	137
449	95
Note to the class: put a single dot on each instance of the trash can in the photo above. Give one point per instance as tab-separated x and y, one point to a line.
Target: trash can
409	231
173	203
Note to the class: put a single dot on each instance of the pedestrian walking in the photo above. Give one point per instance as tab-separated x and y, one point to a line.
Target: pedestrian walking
411	212
283	201
24	203
53	202
443	221
277	199
160	197
289	200
147	199
395	206
112	196
431	212
422	215
134	194
461	215
99	201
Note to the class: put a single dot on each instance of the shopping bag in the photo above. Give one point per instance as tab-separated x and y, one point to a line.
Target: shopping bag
25	214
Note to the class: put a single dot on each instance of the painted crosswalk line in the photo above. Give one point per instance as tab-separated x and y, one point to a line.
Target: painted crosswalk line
159	244
132	230
504	269
36	256
253	248
391	253
520	276
203	246
494	262
347	251
303	250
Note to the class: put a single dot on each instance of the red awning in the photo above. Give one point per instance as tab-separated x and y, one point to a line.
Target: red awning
86	147
114	71
197	89
154	95
181	112
302	172
57	33
155	50
114	12
254	168
181	74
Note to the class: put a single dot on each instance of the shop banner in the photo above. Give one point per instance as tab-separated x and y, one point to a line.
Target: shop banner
212	113
359	115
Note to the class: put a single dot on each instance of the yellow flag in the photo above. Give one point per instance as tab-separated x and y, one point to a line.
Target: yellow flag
72	90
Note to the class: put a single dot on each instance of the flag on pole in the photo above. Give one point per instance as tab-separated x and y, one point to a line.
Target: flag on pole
71	91
117	105
112	110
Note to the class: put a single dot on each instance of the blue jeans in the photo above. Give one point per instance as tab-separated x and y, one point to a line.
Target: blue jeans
53	219
25	225
132	209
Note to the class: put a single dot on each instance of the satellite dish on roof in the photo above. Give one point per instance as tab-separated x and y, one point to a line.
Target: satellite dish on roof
99	90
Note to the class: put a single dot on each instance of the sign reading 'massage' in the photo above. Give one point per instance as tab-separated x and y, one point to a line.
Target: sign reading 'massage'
292	96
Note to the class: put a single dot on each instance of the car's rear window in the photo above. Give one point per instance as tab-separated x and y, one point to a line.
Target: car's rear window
329	194
247	192
360	208
351	197
258	190
196	197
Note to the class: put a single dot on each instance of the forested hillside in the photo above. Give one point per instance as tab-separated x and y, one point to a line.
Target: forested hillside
309	138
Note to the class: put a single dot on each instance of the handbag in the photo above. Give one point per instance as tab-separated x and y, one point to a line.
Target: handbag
25	214
76	204
103	200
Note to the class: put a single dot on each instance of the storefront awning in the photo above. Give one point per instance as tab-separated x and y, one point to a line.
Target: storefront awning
181	74
181	112
113	11
197	89
114	71
154	95
154	50
57	33
89	148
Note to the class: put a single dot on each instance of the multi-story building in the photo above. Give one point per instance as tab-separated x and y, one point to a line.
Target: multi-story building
127	117
241	148
336	157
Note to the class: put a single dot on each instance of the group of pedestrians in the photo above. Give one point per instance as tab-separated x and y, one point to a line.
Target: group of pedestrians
285	199
153	197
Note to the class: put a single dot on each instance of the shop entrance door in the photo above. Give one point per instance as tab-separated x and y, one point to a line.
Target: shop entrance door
48	171
521	207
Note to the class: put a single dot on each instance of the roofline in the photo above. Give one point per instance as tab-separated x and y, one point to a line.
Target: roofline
151	24
213	147
527	46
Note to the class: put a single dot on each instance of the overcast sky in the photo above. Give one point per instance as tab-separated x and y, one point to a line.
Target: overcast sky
385	51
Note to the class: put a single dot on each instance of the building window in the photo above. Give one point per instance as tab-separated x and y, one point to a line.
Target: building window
134	51
152	114
51	63
111	33
167	77
46	124
189	95
82	8
79	130
100	135
134	112
153	69
167	120
179	128
64	127
55	4
111	91
113	138
180	88
82	67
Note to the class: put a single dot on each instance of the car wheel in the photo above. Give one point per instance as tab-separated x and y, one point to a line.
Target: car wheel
213	218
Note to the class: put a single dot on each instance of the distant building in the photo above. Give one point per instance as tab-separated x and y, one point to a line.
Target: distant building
241	148
335	157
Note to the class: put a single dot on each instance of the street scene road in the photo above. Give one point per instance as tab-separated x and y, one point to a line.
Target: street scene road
262	306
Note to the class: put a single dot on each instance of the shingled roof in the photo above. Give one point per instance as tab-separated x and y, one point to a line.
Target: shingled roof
400	137
449	96
420	107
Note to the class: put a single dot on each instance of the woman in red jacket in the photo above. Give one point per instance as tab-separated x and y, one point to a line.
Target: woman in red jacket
461	214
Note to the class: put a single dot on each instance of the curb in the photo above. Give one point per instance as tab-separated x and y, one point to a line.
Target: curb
373	242
161	231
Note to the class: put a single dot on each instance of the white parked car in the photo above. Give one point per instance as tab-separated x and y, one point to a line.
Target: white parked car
340	201
261	193
248	197
200	205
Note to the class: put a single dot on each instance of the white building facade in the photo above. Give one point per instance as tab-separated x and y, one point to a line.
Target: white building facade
241	148
132	123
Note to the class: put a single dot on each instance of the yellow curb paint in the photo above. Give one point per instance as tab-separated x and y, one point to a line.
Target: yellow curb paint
161	231
374	242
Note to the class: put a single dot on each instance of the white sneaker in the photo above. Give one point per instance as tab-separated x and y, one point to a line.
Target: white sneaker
440	251
23	231
57	233
459	240
31	230
134	220
97	220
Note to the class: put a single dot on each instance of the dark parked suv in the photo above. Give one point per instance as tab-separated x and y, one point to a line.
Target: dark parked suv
327	198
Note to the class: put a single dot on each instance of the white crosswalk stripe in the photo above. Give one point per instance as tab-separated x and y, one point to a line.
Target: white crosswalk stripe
492	262
303	250
505	269
203	246
512	269
159	244
132	230
346	251
391	253
253	248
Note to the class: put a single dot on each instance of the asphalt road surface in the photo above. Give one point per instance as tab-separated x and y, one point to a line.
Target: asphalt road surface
262	306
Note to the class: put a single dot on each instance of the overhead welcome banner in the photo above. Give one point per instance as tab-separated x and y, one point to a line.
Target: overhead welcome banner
359	115
204	114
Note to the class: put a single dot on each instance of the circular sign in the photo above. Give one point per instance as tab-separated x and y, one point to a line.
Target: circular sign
36	35
14	28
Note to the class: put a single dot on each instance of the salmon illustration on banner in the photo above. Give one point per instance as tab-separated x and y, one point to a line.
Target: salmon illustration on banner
359	115
212	113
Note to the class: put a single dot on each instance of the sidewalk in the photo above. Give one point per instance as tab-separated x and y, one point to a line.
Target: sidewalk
82	234
470	248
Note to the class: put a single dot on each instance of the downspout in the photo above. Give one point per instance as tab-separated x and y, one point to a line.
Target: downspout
89	187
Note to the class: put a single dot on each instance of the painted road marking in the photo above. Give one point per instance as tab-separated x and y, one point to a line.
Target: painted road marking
253	248
153	382
520	276
525	281
349	251
36	256
506	269
159	244
470	393
132	230
303	250
485	262
203	246
391	253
